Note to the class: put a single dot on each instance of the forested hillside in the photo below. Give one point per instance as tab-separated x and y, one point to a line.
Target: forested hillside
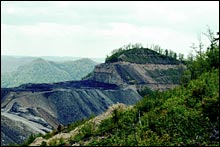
44	71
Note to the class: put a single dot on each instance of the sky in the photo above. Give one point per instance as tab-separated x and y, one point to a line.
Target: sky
93	29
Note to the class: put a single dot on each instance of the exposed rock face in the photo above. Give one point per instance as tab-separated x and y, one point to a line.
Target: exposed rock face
41	107
154	76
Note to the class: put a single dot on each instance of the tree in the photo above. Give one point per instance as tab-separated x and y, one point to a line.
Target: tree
160	50
171	53
190	57
181	57
204	60
155	47
174	55
166	52
185	79
213	51
210	35
59	128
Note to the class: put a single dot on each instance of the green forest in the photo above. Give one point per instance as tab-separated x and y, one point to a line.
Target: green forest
185	115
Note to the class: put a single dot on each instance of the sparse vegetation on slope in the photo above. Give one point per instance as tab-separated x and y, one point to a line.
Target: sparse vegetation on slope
138	54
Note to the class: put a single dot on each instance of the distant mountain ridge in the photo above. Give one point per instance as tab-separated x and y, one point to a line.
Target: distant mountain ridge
43	71
10	63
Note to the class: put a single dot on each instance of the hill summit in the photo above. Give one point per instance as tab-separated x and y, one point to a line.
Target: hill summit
140	56
139	68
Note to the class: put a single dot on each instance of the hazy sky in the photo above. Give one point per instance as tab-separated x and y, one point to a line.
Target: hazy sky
94	29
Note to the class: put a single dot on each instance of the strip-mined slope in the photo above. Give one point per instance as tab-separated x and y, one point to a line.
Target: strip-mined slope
44	106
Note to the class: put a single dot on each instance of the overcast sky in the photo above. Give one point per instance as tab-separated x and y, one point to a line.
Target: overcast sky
94	29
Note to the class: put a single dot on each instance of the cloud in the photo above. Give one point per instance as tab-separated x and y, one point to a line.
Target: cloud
93	29
63	4
56	39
